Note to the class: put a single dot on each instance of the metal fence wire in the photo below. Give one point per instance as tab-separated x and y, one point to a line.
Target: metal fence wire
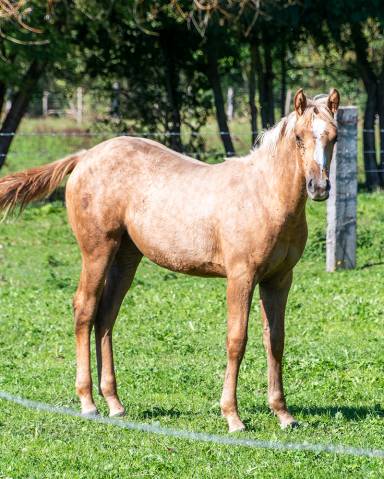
244	137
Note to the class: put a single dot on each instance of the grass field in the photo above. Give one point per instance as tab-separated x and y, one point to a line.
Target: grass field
170	359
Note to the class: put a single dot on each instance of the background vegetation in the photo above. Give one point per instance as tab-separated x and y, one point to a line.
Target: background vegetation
163	68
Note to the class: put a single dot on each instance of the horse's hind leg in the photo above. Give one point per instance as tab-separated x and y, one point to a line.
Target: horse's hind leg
119	279
95	263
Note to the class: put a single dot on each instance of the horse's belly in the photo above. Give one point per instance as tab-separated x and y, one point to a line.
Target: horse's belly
183	261
190	249
187	264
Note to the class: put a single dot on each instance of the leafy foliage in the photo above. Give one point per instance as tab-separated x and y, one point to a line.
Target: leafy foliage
150	63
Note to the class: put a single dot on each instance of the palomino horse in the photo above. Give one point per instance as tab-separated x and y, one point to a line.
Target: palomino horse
243	219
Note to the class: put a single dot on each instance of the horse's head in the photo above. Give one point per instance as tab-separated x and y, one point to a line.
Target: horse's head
316	134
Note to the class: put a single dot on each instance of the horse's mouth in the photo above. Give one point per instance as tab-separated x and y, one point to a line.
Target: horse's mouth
319	196
318	190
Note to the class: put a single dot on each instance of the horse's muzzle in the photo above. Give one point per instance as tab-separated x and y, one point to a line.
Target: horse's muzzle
318	190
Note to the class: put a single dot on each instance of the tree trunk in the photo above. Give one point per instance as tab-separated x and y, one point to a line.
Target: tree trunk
380	111
3	89
214	79
369	78
171	84
269	77
371	173
252	93
19	107
283	69
263	100
269	87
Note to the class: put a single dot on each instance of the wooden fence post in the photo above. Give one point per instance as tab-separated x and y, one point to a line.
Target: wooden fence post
79	105
45	103
342	202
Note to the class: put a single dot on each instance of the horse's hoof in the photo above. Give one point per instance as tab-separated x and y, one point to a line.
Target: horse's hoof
235	425
120	413
90	413
236	429
290	425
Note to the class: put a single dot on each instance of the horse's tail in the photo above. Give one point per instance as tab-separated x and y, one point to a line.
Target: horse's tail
19	189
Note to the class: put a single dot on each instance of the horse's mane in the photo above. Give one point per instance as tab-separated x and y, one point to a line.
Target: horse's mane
268	140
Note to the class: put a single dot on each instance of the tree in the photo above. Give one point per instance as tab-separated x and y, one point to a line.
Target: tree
16	11
27	53
214	41
160	66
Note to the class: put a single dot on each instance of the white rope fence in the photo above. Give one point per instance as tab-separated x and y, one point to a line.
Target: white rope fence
124	133
143	134
198	154
197	436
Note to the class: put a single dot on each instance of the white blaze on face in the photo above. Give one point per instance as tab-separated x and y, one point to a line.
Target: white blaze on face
318	127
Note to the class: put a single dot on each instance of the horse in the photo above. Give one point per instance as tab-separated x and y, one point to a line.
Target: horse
242	219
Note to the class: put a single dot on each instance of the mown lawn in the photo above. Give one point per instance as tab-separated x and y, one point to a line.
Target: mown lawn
170	359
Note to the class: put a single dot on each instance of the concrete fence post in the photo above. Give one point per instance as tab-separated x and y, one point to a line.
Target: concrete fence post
342	202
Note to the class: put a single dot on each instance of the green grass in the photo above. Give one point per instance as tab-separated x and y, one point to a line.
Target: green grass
170	358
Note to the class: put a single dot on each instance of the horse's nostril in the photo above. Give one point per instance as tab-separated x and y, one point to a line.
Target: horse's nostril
328	185
310	184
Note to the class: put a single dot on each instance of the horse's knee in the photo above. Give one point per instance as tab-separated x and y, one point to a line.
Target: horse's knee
83	309
108	386
276	401
75	303
236	346
83	387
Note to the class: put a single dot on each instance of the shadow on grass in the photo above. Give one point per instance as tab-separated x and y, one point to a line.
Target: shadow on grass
370	265
349	413
158	412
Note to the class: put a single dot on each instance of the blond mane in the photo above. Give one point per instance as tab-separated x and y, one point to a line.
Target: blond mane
268	140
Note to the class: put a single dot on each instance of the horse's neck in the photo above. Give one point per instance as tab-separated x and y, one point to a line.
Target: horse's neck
283	177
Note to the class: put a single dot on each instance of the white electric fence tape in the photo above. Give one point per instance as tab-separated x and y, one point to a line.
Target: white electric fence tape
197	436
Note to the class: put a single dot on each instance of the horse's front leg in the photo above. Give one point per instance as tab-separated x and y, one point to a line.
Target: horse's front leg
239	297
273	299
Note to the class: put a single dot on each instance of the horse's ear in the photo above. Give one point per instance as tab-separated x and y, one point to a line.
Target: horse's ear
333	101
300	102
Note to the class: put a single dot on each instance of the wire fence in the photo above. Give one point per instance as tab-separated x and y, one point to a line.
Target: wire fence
215	152
156	135
124	133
